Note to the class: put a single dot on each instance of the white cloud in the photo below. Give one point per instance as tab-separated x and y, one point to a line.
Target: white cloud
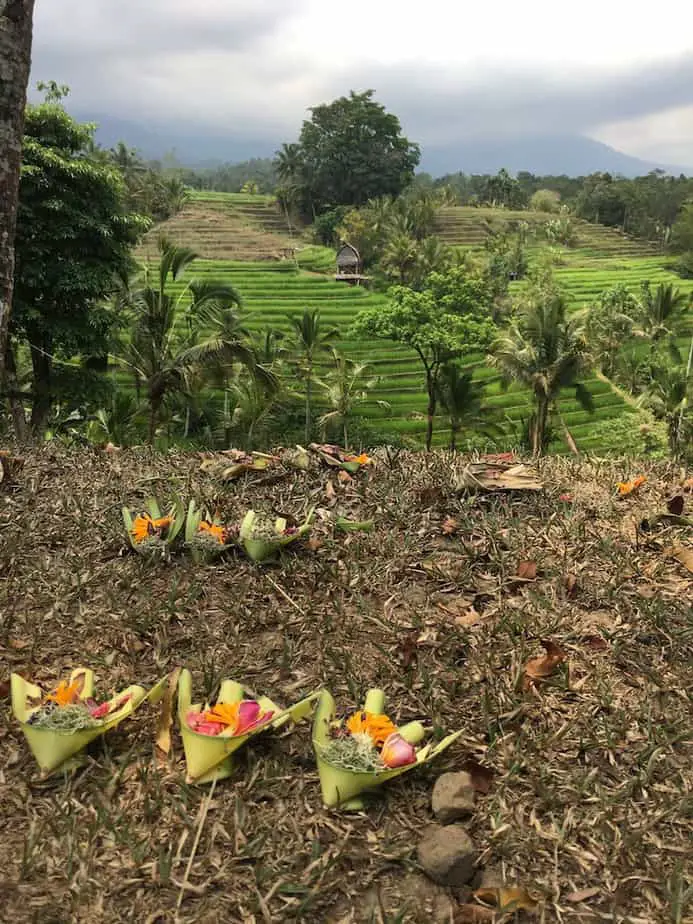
251	68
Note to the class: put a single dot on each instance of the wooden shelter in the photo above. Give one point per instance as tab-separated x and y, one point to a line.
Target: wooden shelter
349	266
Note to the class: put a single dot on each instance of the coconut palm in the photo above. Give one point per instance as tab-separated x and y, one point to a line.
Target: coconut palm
668	397
663	310
347	387
545	350
165	346
311	337
461	397
400	258
288	161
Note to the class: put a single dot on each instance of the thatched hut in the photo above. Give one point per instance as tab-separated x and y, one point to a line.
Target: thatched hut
349	266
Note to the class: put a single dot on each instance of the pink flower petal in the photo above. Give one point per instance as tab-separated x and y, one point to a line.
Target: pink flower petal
98	712
250	716
397	752
198	723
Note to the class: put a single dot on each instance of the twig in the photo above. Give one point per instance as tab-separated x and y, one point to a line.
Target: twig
203	817
285	595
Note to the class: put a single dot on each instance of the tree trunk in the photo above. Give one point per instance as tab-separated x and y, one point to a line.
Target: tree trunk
227	419
431	410
16	18
40	348
540	426
15	398
453	438
153	414
309	377
346	439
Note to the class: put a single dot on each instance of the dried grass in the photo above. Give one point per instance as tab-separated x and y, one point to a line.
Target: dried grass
592	767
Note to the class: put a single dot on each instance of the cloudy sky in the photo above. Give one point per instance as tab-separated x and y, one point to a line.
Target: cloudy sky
249	69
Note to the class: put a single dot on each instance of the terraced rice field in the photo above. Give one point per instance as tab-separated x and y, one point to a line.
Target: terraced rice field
272	289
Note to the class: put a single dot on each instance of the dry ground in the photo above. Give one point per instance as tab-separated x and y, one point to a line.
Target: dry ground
592	770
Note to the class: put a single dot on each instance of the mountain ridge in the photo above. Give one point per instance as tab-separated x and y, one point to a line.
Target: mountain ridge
542	155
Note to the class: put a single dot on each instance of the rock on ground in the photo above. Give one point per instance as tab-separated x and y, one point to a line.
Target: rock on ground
453	797
447	855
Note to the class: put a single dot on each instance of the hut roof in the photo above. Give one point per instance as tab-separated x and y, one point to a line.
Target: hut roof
348	255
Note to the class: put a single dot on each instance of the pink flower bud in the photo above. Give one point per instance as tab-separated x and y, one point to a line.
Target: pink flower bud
397	752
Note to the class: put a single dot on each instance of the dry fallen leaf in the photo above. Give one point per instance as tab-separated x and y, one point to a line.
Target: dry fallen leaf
450	526
683	554
507	899
676	504
582	895
165	720
688	485
595	642
330	493
468	619
474	914
571	584
344	477
482	777
544	666
527	570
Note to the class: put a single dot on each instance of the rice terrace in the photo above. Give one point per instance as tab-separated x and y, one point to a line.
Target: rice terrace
346	494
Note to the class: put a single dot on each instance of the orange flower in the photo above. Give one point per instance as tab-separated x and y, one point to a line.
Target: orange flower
212	529
627	487
378	727
363	459
239	717
144	526
66	693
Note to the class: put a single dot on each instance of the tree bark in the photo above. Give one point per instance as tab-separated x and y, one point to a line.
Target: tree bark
309	382
16	19
431	410
15	398
540	426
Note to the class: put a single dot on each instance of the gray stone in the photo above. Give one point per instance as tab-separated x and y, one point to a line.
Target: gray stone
447	855
453	797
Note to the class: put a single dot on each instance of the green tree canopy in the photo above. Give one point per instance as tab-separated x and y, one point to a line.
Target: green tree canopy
74	240
349	151
448	319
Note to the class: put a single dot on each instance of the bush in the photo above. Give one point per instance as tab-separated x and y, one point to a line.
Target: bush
684	266
325	226
637	434
545	200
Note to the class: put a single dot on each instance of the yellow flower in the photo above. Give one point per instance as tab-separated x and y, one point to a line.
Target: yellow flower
377	727
144	526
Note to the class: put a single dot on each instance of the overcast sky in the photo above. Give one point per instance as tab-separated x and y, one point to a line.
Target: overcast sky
251	68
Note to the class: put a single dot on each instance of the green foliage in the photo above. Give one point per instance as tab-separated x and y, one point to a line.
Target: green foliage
682	231
545	200
449	318
462	399
311	337
547	351
350	151
345	388
610	324
233	177
74	237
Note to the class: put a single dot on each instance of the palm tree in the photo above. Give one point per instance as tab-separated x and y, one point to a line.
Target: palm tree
311	337
668	397
400	257
547	351
345	389
288	162
161	353
461	397
663	310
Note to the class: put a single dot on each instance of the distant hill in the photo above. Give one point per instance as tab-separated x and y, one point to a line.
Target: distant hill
573	155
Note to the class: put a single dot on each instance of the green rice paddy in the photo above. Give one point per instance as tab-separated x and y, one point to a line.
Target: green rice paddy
271	290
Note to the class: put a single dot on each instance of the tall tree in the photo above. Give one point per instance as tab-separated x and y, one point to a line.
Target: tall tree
166	343
16	21
545	350
349	151
74	239
311	337
449	318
